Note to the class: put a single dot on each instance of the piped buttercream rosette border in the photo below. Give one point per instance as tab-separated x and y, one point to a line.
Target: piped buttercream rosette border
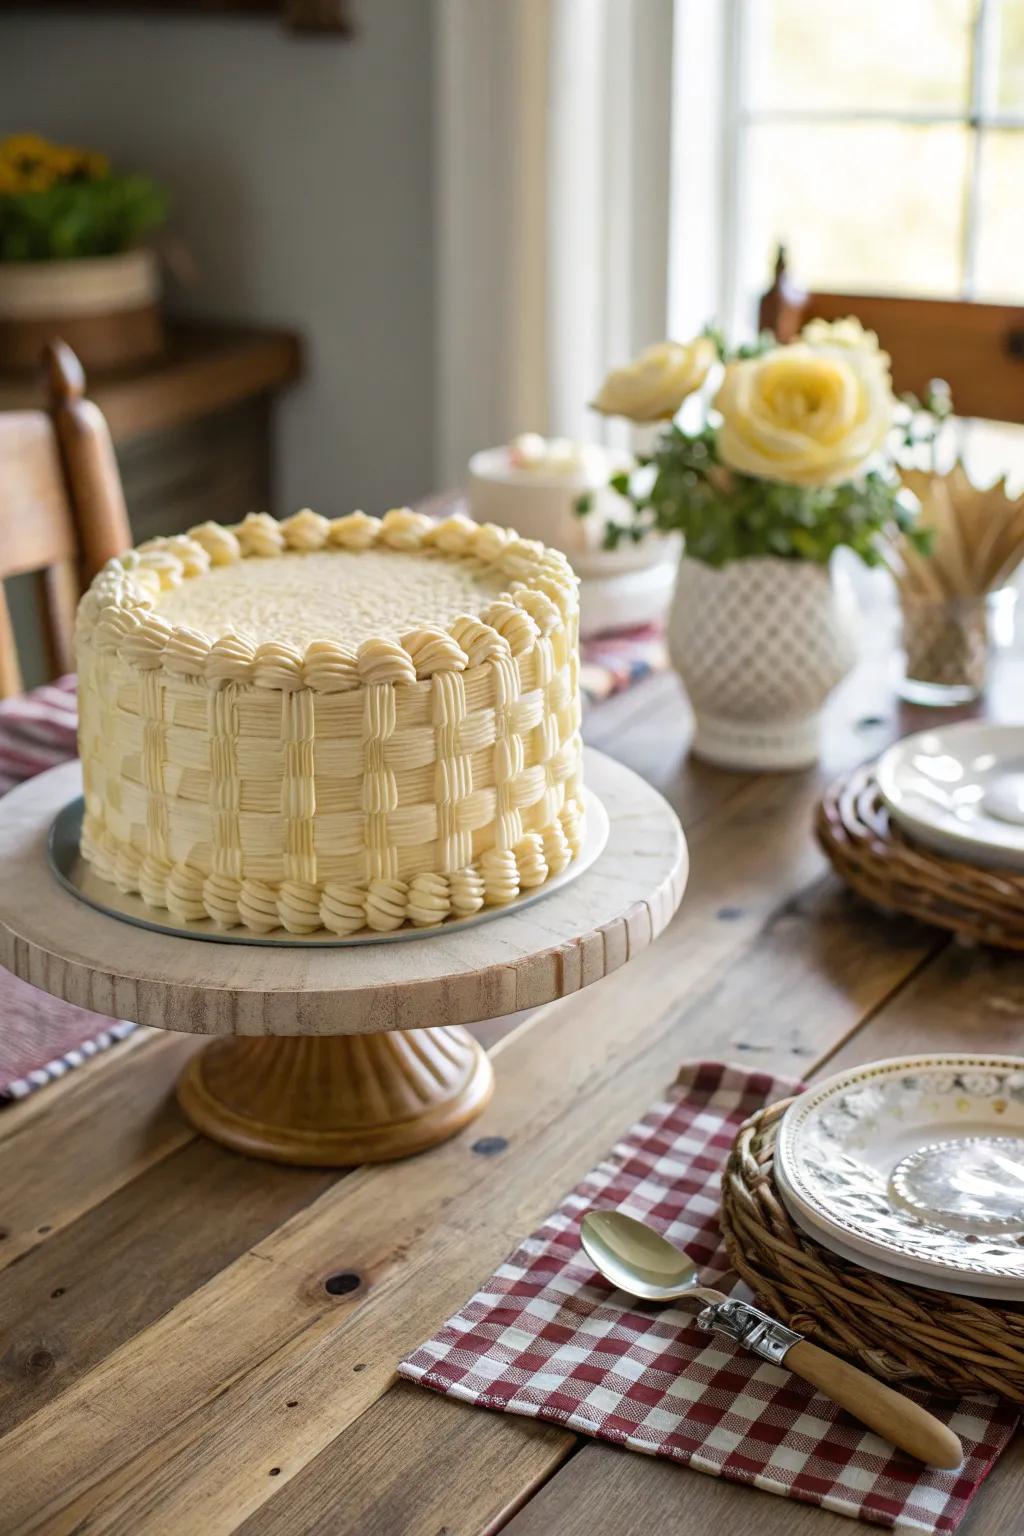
118	613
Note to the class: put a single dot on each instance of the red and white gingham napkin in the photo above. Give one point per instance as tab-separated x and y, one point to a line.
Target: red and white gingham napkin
547	1337
37	731
41	1037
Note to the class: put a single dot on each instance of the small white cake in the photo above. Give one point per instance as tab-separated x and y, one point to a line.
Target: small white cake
533	485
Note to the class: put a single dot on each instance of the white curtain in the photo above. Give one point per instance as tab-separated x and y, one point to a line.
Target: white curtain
553	152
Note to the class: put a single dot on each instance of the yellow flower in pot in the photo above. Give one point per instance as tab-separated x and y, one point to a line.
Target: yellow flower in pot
72	259
792	462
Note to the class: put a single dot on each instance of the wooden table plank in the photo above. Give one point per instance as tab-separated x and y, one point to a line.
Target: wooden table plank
859	964
105	1124
251	1366
605	1491
959	1000
392	1480
811	1008
966	1000
71	1301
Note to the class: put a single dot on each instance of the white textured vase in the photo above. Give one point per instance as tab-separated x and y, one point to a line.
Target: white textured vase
760	644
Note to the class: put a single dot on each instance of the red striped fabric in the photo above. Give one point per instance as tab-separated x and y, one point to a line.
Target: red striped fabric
42	1038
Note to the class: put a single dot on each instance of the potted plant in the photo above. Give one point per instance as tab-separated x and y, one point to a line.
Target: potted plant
72	262
790	461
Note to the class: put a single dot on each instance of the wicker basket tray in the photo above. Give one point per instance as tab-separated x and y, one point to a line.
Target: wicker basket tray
900	1333
870	852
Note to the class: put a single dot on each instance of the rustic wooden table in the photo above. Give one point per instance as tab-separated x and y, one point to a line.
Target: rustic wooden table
195	1343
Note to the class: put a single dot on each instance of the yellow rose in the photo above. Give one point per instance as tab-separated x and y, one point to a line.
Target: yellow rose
654	386
848	334
803	414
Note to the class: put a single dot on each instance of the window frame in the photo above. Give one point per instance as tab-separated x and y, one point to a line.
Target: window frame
717	43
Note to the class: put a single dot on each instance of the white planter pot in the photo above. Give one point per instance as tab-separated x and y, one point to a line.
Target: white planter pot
107	308
760	644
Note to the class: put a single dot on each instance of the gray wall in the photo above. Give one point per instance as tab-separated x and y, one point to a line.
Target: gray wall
301	175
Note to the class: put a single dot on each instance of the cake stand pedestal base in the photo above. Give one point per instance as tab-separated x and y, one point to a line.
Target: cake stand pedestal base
333	1101
329	1056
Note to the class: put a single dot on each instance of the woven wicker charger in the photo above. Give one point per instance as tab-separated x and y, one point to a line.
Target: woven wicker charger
871	853
900	1333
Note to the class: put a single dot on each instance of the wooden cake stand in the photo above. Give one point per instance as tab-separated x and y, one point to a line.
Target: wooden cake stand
332	1056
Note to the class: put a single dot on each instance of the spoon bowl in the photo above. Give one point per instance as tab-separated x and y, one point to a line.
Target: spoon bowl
638	1260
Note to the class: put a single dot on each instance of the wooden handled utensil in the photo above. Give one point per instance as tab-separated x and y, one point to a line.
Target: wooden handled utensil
639	1261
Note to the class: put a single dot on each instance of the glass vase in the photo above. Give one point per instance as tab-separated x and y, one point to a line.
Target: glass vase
946	647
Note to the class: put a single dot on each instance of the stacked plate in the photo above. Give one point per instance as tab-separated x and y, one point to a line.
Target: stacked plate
959	790
914	1168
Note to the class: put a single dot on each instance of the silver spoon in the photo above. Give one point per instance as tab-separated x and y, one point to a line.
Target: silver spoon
639	1261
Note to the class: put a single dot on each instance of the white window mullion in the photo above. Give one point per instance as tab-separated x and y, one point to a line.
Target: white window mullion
696	223
577	190
711	53
744	44
619	86
984	67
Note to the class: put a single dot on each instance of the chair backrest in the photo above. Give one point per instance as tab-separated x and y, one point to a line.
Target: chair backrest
977	348
62	511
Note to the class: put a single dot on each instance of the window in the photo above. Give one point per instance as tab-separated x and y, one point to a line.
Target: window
882	141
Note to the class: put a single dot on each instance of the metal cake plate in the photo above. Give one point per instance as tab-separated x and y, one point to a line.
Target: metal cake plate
76	876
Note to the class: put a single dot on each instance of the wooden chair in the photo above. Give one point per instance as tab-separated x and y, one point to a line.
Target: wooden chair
977	348
62	511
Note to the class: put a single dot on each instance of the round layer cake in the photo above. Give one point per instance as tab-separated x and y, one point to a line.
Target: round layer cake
343	724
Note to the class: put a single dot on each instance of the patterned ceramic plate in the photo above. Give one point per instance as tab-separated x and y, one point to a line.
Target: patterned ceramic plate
917	1163
960	790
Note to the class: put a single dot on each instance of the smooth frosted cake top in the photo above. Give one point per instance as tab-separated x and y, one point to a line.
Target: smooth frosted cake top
355	596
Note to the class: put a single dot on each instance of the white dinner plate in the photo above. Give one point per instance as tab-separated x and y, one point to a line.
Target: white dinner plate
915	1164
961	1285
960	790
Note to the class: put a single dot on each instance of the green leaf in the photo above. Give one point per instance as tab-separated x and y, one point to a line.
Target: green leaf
735	517
74	219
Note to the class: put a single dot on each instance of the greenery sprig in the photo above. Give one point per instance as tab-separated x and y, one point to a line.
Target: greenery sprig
723	515
59	203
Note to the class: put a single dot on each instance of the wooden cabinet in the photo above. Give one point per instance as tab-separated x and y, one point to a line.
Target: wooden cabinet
192	430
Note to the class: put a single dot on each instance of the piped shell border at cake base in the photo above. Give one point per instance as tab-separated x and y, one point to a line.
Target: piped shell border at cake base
119	614
497	878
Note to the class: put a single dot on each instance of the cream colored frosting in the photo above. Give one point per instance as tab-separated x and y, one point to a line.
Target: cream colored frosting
331	724
553	457
363	595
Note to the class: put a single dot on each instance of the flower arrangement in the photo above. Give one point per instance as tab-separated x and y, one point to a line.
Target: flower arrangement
59	203
794	457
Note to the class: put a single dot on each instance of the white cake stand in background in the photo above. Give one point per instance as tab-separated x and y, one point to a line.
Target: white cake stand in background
332	1056
617	592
